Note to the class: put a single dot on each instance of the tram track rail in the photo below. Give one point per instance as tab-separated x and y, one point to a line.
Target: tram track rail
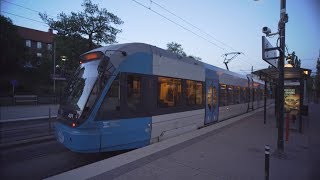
22	133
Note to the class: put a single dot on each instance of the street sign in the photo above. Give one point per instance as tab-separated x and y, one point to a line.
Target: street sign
269	53
58	77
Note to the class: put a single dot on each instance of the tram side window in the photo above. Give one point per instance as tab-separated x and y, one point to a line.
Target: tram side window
133	92
243	95
247	94
111	103
169	92
191	92
105	70
258	94
194	93
230	95
255	95
199	93
236	94
214	97
223	95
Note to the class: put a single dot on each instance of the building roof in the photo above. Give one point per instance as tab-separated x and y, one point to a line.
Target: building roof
35	35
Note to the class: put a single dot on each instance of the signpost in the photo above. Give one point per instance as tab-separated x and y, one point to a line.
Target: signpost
14	83
269	53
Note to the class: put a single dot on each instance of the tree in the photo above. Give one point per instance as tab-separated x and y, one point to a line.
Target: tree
296	61
92	23
176	48
12	49
71	47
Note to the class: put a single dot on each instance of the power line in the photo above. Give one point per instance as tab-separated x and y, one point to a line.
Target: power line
23	7
191	25
150	10
25	18
133	0
178	24
20	6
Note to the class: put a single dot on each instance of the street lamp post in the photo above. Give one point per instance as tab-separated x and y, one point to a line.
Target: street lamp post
281	27
54	67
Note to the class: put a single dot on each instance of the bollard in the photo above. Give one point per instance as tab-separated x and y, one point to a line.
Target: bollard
49	120
266	161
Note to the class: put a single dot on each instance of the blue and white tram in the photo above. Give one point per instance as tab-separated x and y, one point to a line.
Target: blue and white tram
131	95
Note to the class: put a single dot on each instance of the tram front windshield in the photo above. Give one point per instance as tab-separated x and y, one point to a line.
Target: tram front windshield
83	89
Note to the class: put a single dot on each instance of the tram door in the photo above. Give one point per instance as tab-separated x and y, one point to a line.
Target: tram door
212	108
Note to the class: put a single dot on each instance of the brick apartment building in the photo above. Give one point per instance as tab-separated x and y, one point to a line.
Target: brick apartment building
39	45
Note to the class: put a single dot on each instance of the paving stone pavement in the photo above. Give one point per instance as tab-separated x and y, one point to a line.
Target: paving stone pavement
237	152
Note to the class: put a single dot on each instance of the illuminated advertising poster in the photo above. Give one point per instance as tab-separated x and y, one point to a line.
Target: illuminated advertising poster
291	100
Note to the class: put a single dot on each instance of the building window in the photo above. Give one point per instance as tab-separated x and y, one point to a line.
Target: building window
49	47
39	57
28	43
39	45
169	92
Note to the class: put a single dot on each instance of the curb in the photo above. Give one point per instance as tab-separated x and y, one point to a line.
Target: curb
27	142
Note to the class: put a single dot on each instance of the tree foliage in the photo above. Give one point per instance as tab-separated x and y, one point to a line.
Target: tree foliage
93	23
177	49
12	49
294	60
71	47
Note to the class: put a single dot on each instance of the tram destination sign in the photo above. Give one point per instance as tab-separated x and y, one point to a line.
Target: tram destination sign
269	53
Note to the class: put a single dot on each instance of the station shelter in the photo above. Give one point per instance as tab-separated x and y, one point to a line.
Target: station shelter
295	92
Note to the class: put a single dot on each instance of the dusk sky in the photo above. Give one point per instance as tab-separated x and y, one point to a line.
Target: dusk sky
217	26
